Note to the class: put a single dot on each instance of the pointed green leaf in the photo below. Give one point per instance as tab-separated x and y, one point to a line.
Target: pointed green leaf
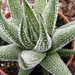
23	37
50	15
16	11
31	16
9	30
39	6
4	37
55	65
30	59
44	43
32	34
9	52
63	36
24	72
66	52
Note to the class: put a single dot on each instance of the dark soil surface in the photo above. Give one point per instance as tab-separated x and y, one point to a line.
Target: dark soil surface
67	7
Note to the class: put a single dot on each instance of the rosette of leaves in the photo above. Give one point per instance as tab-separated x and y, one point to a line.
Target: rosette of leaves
33	38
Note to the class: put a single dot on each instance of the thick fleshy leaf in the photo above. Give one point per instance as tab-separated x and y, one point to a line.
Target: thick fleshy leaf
66	52
8	29
55	65
31	16
23	37
16	11
32	34
4	37
44	43
9	52
63	36
39	6
50	15
30	59
24	72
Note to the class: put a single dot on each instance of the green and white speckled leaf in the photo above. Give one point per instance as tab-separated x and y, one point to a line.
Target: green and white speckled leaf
9	29
16	11
55	65
9	52
39	6
30	59
32	34
66	52
24	72
63	36
23	37
31	16
50	15
44	43
4	37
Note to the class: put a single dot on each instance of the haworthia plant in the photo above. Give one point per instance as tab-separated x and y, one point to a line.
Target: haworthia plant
33	39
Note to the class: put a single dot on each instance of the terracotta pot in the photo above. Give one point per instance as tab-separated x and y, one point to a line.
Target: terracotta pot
2	72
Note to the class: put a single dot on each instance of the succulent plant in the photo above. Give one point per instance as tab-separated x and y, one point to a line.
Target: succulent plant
33	38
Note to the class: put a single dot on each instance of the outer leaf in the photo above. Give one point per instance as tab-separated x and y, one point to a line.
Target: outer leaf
39	6
63	36
50	15
4	37
9	52
44	43
16	11
31	16
24	39
55	65
30	59
66	52
9	30
24	72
